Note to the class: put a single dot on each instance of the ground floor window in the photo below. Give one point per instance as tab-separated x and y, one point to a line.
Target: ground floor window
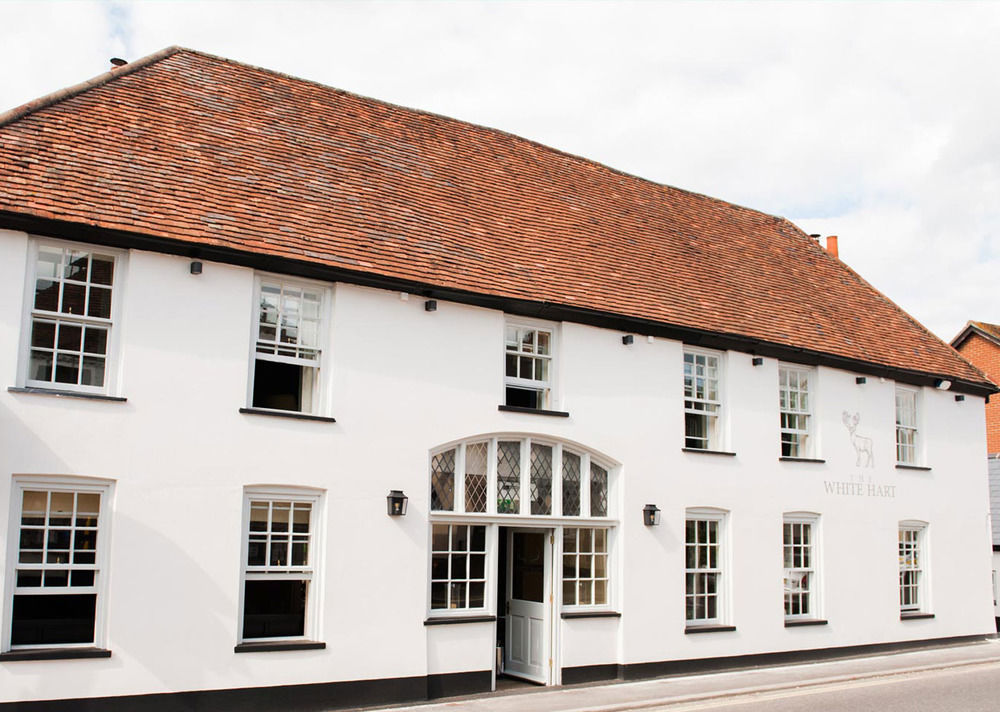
585	567
458	567
911	567
703	564
799	556
279	569
58	569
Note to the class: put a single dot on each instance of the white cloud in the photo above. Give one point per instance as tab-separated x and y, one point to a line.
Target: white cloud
874	121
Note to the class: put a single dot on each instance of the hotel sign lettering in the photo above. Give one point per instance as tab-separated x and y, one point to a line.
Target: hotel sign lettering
860	489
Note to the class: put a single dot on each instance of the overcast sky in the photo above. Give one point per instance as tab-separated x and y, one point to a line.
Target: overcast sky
877	122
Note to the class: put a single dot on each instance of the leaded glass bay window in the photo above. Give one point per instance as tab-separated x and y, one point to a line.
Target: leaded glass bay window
528	367
702	401
287	349
71	319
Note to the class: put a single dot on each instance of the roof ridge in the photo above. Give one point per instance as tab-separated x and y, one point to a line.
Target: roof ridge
19	112
426	112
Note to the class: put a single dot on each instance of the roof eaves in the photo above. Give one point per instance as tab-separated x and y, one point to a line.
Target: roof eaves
970	329
19	112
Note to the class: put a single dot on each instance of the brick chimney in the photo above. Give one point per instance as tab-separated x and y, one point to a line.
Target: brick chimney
831	246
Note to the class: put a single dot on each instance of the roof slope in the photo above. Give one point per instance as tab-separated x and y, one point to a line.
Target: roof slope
192	147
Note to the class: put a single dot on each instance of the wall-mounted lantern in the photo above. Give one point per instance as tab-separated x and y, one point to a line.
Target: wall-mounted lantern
650	515
396	502
196	267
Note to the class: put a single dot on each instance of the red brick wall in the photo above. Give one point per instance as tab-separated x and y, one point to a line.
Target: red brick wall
986	355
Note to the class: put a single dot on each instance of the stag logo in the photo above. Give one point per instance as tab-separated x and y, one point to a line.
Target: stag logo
862	445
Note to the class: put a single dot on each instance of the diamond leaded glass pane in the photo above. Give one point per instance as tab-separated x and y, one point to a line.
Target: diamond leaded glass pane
508	477
475	477
571	484
598	491
541	479
443	481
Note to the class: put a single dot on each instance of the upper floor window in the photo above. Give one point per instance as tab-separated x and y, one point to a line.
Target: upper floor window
71	318
528	366
287	347
702	400
279	565
505	475
57	568
794	404
906	426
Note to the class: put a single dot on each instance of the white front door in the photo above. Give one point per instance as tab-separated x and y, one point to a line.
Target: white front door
528	582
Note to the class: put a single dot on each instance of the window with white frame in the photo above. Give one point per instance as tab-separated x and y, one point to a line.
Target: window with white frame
585	566
702	400
458	567
279	564
912	583
794	405
703	567
58	565
521	476
799	554
287	346
906	426
71	318
528	366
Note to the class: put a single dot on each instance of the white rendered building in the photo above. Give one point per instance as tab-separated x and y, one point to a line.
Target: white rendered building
232	340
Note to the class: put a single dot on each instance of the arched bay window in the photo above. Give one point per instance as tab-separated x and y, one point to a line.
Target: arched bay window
520	476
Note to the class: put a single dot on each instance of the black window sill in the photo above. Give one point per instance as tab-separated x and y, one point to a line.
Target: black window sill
278	645
570	615
54	654
913	467
66	394
287	414
708	452
799	459
458	620
536	411
914	616
692	629
799	622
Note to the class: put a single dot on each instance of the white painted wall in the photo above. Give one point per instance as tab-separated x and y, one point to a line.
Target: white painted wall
402	381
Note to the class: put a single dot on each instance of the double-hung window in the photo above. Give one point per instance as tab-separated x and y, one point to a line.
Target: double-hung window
702	400
794	404
906	427
72	291
528	354
57	568
458	567
585	566
799	554
704	568
285	373
279	565
912	576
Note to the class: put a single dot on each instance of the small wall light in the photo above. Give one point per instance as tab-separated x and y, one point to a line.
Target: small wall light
396	503
196	267
628	339
942	384
430	305
650	515
757	361
860	380
959	398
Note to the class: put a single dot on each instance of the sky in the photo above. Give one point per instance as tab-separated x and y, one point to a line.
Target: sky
878	122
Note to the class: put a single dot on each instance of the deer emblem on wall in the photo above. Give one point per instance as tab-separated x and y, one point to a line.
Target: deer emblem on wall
862	445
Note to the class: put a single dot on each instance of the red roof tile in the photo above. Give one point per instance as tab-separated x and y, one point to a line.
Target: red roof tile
191	147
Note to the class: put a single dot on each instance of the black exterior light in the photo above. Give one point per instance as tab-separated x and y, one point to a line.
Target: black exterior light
628	339
430	305
861	380
757	361
650	515
396	502
196	267
959	398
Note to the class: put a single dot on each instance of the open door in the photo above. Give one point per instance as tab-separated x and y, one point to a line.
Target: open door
528	604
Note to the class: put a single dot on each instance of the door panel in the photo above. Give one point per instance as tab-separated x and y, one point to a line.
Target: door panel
527	609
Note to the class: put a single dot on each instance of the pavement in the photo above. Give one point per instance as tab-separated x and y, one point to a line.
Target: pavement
677	690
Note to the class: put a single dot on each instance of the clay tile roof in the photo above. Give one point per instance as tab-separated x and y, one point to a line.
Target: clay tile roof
194	148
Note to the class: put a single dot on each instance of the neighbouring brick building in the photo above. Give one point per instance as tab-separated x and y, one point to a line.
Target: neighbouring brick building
314	401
